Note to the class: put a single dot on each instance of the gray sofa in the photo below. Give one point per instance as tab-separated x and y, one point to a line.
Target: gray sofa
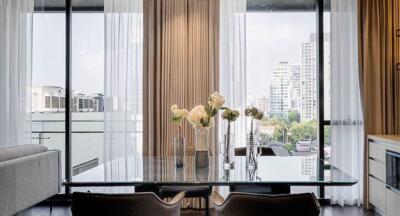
29	174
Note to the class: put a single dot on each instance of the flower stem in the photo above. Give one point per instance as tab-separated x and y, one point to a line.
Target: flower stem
227	142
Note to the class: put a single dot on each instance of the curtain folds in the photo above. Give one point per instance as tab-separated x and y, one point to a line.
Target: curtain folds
347	129
233	63
180	67
122	87
15	71
380	82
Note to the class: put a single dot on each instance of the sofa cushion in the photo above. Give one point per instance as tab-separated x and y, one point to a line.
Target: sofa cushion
12	152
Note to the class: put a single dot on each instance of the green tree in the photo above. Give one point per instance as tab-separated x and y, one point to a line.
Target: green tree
281	131
293	116
327	135
303	131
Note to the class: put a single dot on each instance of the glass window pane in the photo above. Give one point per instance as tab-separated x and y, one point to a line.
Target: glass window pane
48	80
327	65
87	92
282	78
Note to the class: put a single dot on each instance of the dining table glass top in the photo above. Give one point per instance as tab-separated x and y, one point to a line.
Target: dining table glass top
291	170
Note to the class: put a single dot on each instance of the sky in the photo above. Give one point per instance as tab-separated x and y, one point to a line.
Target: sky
87	51
271	38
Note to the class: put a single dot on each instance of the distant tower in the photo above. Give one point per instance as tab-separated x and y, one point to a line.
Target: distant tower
309	100
279	90
295	87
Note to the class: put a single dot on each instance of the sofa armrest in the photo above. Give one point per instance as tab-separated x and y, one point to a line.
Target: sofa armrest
29	180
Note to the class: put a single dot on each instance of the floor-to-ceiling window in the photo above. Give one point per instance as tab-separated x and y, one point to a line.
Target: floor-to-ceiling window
282	78
48	79
287	58
85	40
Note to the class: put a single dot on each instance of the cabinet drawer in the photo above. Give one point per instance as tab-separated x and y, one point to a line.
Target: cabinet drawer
378	170
392	203
377	151
377	194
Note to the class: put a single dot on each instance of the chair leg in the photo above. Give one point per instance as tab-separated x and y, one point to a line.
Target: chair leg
207	205
51	208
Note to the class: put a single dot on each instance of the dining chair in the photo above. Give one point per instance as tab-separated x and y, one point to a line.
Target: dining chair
241	204
264	151
190	191
143	204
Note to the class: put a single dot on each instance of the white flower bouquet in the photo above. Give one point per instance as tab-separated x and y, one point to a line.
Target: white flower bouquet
204	116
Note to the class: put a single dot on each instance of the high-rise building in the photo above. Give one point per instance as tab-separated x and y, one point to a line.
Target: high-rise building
295	87
263	105
279	90
308	77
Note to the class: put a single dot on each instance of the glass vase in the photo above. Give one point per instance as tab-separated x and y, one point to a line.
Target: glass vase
201	147
179	150
229	151
252	143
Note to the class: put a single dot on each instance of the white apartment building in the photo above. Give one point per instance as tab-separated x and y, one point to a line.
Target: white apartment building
309	101
295	87
279	90
309	79
263	104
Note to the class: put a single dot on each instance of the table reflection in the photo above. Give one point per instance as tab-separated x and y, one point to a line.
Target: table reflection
294	170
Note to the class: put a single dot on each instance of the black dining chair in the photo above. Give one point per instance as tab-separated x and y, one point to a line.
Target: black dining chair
264	151
243	204
191	192
143	204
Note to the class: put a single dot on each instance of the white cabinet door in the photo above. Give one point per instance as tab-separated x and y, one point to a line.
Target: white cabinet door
377	151
392	203
378	170
377	194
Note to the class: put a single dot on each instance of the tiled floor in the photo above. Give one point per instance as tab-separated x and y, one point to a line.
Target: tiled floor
326	211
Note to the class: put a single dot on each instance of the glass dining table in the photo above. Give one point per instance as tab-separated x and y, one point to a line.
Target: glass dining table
162	171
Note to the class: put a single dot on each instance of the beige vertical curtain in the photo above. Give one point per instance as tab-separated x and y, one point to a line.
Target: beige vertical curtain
380	82
180	66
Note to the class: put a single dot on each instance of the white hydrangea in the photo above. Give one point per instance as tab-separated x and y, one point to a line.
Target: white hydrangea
216	100
196	115
178	114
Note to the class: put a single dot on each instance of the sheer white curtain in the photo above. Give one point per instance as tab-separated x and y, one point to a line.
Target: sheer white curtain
123	87
233	63
15	71
347	128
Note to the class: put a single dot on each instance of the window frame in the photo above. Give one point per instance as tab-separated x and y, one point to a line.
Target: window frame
320	6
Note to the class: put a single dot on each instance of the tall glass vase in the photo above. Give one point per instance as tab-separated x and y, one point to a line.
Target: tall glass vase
179	150
229	151
252	150
201	147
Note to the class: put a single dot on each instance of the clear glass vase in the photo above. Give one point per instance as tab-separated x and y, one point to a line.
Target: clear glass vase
179	150
201	147
252	143
229	151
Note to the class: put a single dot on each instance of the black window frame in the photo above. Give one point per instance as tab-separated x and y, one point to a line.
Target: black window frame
69	8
